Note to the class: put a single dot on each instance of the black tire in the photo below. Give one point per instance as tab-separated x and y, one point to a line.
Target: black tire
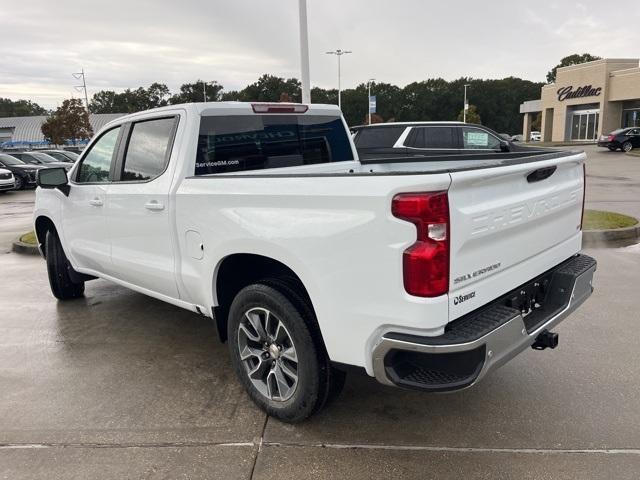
317	381
58	268
613	149
19	183
627	146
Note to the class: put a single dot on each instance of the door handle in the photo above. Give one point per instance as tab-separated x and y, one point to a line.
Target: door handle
154	205
96	202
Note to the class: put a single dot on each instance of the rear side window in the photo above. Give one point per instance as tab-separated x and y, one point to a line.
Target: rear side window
255	142
478	139
378	137
96	164
148	149
432	137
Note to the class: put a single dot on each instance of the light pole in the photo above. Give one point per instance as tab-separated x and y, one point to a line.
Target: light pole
338	53
304	52
204	91
464	111
369	98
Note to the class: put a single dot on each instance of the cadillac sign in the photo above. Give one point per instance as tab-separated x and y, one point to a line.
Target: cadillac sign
565	93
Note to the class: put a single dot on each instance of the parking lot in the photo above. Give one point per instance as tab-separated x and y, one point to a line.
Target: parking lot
119	385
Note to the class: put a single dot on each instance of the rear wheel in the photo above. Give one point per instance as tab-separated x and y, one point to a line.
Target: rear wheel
277	352
627	146
59	268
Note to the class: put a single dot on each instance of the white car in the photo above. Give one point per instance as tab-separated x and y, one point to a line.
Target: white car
535	136
7	181
425	274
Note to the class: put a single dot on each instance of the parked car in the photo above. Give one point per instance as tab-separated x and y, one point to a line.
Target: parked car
535	136
25	174
625	139
42	159
425	274
7	181
62	155
426	139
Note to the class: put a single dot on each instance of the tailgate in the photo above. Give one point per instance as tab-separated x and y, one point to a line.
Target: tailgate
510	224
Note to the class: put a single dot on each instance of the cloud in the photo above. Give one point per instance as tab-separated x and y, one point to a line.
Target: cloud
126	44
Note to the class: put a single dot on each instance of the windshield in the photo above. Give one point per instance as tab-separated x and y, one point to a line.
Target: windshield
43	157
9	160
61	157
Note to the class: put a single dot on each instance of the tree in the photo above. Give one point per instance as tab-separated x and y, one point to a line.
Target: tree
70	121
195	92
20	108
472	115
269	88
130	101
574	59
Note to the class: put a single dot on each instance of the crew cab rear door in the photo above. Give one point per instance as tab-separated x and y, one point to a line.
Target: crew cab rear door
511	223
138	209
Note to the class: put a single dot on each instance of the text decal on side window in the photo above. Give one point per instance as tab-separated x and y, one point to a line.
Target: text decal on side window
256	142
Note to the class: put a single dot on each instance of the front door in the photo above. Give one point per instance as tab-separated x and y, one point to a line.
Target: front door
83	218
138	209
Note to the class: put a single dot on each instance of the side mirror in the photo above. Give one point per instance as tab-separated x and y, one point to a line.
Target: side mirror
504	146
55	177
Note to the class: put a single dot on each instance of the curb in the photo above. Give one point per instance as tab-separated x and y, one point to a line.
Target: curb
24	248
618	237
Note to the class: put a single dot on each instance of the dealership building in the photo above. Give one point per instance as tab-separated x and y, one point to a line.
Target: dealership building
586	101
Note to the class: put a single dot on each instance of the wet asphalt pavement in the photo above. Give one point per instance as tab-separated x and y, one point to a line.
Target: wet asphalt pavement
119	385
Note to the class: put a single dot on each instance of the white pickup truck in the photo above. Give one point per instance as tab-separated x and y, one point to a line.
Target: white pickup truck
425	272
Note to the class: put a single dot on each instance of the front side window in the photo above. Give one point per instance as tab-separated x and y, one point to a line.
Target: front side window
432	137
478	139
255	142
148	149
96	164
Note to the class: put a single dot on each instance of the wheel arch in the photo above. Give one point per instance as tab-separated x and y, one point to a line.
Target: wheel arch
238	270
42	225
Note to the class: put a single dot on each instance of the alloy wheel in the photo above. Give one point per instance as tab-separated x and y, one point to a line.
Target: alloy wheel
268	354
627	146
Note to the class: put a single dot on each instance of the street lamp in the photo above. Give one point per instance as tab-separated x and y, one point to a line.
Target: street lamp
338	53
369	99
466	106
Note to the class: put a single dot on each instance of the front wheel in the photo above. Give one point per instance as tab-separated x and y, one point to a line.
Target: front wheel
627	146
59	268
19	183
277	352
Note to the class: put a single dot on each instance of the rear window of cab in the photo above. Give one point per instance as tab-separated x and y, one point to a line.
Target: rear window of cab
255	142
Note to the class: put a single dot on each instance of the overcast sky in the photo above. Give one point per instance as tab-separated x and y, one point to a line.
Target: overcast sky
133	43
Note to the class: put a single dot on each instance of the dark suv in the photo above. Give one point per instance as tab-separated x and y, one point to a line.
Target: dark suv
625	139
24	174
427	138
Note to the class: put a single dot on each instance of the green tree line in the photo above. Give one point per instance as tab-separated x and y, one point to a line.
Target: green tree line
496	101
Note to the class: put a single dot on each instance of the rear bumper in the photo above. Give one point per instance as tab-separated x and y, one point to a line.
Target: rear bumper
483	340
607	144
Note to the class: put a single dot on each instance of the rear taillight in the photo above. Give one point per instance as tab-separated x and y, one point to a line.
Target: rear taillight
279	108
584	192
611	138
426	262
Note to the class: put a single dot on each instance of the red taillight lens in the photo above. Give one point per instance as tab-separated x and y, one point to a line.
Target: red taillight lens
611	138
426	262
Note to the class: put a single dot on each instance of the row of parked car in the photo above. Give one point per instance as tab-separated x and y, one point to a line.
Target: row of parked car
18	169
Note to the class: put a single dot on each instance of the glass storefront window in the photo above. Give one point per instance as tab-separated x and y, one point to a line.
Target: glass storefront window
631	118
584	125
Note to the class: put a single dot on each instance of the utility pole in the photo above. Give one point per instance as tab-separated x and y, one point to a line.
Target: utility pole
338	53
82	87
304	52
369	97
466	105
204	91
